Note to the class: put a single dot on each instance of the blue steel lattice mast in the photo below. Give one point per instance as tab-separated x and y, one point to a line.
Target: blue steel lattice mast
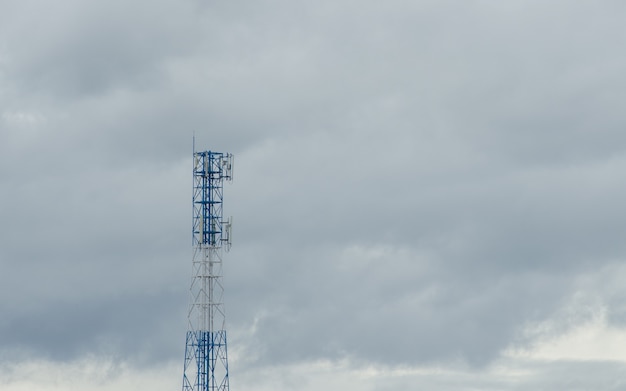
206	359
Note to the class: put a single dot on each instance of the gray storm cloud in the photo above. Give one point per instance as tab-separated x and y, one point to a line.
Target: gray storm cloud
416	182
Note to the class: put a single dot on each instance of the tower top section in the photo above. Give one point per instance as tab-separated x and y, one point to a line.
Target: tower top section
216	165
210	170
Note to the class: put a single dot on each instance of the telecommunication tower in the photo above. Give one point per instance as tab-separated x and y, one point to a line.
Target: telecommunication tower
206	359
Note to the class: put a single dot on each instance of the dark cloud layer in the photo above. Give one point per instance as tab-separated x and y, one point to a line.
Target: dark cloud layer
416	182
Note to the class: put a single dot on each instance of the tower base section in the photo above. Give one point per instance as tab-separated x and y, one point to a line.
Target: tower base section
206	361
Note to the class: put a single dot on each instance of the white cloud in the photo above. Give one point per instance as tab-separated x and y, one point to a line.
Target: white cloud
87	374
595	340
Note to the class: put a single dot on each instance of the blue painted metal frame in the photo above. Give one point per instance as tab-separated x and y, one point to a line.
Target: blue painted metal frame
208	197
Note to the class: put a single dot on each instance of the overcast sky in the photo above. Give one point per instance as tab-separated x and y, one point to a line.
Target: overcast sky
427	195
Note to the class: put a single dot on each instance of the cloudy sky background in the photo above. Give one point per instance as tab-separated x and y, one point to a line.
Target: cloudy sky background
427	194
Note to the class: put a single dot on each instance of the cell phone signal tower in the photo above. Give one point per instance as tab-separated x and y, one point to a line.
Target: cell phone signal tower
206	359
